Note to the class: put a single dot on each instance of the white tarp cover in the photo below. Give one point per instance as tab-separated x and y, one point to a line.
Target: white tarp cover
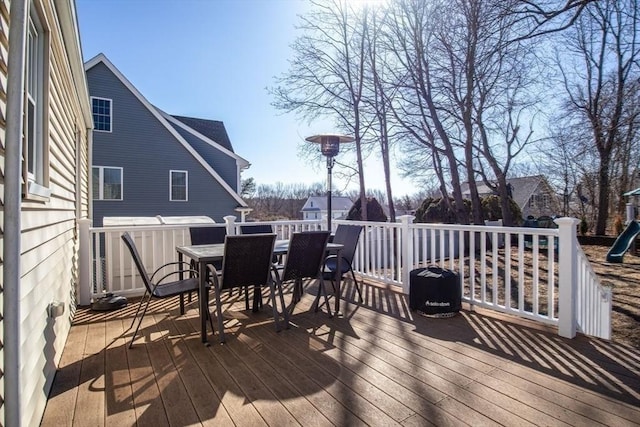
117	221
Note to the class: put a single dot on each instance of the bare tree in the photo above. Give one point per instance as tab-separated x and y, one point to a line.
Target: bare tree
416	106
535	18
603	44
378	97
461	92
281	201
326	75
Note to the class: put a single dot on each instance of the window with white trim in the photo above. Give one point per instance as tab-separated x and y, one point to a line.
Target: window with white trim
178	186
35	146
102	113
107	183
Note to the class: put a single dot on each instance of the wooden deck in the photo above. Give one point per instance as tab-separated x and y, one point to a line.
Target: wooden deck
380	364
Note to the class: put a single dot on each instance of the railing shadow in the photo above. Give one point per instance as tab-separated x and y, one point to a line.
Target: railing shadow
599	365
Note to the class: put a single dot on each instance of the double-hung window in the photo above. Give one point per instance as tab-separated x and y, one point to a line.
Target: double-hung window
178	186
107	183
35	147
102	114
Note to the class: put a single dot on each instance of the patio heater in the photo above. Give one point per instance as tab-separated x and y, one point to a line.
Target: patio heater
329	147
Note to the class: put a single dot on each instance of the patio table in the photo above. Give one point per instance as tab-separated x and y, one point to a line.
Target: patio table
205	254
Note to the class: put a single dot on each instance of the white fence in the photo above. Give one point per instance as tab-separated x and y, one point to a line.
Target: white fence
517	271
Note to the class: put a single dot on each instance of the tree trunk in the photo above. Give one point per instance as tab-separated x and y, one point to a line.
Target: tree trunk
603	193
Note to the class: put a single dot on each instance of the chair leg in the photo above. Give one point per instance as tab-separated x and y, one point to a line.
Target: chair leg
326	298
219	314
357	286
140	321
316	302
257	299
276	314
213	330
137	311
285	311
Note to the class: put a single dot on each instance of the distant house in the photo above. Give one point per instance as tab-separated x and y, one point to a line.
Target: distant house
316	207
45	129
147	162
533	194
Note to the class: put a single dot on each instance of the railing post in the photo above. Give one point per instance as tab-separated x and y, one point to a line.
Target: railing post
230	220
406	240
567	276
84	262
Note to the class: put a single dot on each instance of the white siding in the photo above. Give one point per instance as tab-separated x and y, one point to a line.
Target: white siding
4	52
49	247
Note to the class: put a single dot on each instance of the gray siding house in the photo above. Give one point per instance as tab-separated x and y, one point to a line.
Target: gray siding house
533	194
146	162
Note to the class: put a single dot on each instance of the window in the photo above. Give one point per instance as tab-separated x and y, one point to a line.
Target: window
35	115
178	187
101	108
107	183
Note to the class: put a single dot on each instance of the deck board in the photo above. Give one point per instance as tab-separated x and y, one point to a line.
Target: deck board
379	364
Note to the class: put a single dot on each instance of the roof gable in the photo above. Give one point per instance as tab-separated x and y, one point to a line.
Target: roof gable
159	115
522	187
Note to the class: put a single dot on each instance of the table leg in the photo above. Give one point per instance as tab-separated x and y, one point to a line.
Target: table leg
181	277
202	300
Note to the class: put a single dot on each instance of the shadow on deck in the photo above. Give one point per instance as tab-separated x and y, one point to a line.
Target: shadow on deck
380	364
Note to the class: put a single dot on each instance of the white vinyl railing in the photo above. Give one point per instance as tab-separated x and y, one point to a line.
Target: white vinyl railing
593	301
518	271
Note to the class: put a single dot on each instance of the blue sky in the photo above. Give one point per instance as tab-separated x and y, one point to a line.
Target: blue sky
214	59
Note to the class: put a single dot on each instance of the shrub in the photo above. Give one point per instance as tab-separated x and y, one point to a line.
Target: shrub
492	211
374	211
584	226
435	210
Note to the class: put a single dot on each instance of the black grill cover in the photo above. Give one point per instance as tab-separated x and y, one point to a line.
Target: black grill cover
434	290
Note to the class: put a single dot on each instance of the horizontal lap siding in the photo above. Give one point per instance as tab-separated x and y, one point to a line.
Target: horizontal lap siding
4	53
222	163
49	259
147	151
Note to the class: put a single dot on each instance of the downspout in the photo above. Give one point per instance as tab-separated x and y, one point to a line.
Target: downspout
12	207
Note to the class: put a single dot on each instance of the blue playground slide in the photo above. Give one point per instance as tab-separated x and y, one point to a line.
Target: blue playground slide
622	243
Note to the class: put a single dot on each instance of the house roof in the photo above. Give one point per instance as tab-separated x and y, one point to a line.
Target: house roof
181	123
319	203
522	188
164	119
212	129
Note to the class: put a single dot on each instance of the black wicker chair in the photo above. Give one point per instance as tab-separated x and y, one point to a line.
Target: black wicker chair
256	229
246	262
260	229
304	261
207	236
348	236
158	288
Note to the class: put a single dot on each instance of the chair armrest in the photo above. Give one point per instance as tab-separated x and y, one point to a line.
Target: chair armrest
183	270
213	270
215	276
342	259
